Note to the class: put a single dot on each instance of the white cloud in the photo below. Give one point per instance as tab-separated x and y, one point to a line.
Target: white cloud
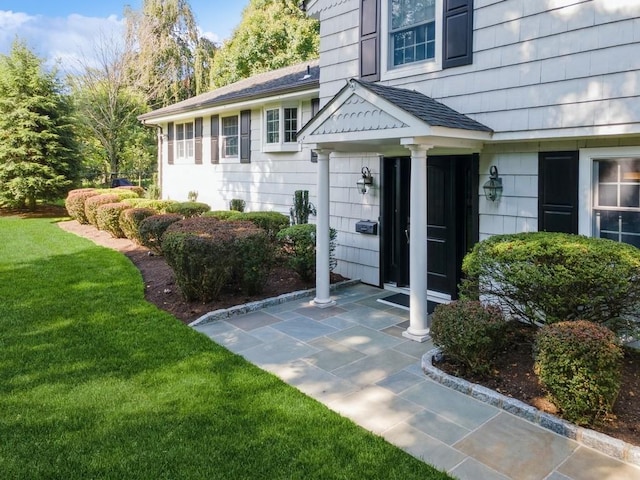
67	40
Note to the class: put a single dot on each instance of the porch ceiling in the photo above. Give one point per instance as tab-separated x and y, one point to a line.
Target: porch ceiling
367	117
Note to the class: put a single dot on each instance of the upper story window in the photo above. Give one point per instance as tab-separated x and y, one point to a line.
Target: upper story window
281	128
229	133
184	144
412	33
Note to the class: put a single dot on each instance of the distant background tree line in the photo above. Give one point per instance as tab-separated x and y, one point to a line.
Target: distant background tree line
58	133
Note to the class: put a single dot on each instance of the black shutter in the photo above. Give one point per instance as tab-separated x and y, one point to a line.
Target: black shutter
245	136
558	192
198	140
457	45
370	40
215	138
170	143
315	108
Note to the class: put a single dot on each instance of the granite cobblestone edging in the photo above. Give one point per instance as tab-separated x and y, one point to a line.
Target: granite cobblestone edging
224	313
590	438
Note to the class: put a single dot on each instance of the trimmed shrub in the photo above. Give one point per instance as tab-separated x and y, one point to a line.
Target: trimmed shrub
91	205
299	247
139	191
222	214
108	218
207	255
188	209
547	277
153	227
160	206
270	222
470	333
237	205
130	220
74	203
580	365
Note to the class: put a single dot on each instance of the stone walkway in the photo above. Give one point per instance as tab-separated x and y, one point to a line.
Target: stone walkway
352	357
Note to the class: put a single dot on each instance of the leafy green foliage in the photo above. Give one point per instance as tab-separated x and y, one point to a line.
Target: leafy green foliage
221	214
188	209
299	247
74	203
270	222
470	333
550	277
130	220
272	34
108	218
91	205
160	206
579	363
301	208
38	151
152	228
207	255
237	204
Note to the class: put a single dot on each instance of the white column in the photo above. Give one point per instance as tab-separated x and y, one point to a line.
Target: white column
418	324
323	298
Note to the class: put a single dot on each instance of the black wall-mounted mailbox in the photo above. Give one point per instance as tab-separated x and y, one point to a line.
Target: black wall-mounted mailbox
367	227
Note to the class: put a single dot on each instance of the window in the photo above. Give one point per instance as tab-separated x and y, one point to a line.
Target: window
229	136
617	199
281	129
184	141
412	31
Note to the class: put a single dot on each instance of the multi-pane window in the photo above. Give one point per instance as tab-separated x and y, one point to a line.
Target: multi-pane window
412	31
184	140
229	131
617	200
281	125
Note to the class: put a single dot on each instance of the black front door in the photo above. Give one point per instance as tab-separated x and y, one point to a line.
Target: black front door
451	185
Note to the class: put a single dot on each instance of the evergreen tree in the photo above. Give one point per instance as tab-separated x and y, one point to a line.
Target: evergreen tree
272	34
38	152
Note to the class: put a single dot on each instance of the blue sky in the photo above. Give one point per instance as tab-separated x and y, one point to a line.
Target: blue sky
67	29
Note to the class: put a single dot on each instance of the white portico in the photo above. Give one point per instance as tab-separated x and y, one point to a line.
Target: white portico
372	118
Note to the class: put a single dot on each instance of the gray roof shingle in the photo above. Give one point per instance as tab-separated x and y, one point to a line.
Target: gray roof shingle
302	76
425	108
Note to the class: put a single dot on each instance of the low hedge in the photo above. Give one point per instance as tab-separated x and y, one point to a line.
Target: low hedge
91	205
130	220
470	333
547	277
139	191
580	365
153	227
108	218
160	206
299	247
75	203
188	209
207	255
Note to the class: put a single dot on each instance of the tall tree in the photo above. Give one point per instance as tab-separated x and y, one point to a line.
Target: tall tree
38	153
271	34
109	107
169	60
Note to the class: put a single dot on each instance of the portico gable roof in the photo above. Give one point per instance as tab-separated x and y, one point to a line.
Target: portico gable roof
372	117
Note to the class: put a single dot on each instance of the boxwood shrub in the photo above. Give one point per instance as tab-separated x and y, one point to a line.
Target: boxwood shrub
153	227
299	246
222	214
270	222
188	209
91	205
580	364
108	218
208	255
130	220
469	333
160	206
75	203
550	277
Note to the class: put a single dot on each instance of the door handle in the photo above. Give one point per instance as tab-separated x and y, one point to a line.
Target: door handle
408	235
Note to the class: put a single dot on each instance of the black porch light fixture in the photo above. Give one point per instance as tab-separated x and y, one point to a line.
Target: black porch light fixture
365	181
493	187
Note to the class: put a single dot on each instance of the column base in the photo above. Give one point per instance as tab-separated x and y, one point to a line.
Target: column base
316	302
420	337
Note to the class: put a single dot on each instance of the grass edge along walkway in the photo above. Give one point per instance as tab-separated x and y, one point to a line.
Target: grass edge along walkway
95	382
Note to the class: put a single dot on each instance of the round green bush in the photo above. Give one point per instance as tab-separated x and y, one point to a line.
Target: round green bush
139	191
470	333
580	365
130	220
270	222
299	247
222	214
547	277
153	227
160	206
91	205
108	218
188	209
207	255
74	203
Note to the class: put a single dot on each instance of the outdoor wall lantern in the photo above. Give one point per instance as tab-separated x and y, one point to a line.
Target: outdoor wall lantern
365	181
493	187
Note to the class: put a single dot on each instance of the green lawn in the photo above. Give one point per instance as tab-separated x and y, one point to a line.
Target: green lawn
97	383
